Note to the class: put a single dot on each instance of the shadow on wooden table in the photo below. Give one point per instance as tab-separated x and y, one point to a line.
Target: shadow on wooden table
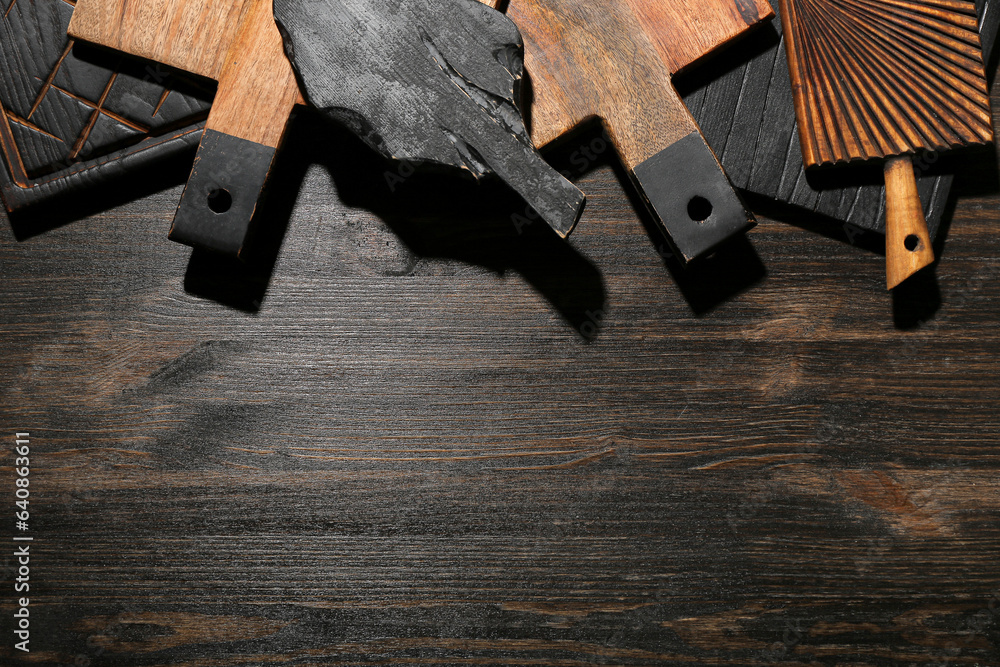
436	215
101	195
731	269
913	302
918	299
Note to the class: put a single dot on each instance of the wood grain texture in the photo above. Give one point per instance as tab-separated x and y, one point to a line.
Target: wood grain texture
438	442
907	243
746	112
190	36
257	87
574	53
237	43
874	80
234	42
686	31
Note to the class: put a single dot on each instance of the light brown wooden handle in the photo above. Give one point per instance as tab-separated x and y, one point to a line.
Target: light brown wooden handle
257	92
907	241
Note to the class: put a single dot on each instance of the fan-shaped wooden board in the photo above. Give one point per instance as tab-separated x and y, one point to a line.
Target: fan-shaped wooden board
878	78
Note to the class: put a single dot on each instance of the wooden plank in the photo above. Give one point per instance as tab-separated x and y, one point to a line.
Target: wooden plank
190	36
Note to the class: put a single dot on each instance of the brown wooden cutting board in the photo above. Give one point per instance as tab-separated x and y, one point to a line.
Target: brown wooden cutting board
615	60
236	43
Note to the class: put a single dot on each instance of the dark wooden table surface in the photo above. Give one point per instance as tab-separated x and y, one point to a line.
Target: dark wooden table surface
423	438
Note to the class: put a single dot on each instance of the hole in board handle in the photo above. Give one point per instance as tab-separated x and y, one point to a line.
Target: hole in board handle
219	200
699	209
912	243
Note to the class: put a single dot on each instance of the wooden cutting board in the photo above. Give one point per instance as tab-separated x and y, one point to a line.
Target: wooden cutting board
615	60
236	43
884	82
743	104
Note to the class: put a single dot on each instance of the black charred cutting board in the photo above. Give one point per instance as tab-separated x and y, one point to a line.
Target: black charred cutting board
73	117
747	115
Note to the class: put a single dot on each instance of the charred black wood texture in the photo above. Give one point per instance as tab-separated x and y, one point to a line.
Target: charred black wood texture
427	82
73	118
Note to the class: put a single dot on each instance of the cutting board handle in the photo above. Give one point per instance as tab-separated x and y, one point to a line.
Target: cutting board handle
257	93
907	241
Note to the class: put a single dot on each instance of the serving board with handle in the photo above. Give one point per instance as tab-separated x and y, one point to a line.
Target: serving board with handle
885	81
236	43
744	105
615	60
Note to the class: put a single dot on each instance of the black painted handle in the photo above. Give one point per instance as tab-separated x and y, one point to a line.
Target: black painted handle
219	202
691	198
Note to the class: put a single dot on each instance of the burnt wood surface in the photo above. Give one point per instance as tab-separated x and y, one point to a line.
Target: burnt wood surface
73	118
426	439
427	82
745	110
